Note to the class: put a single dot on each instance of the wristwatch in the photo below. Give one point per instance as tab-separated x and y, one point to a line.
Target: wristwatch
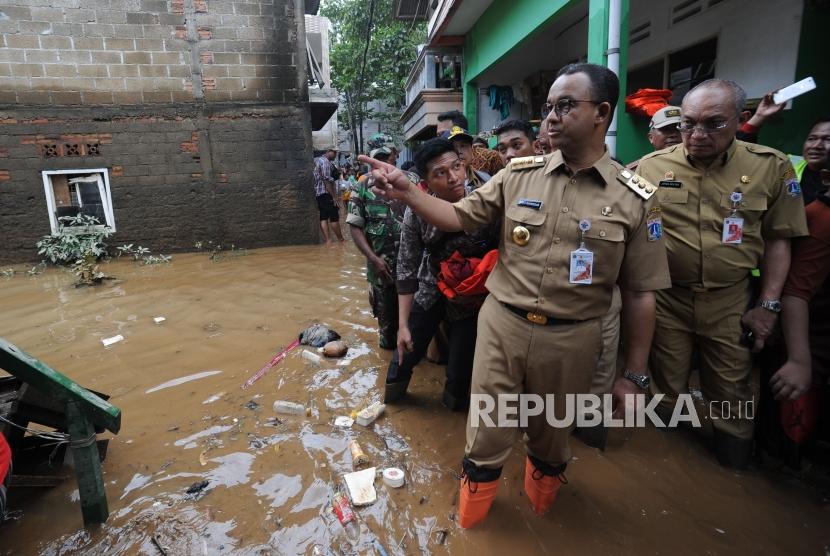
773	305
640	380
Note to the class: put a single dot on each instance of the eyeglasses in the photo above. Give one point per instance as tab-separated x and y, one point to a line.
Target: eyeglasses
705	128
562	106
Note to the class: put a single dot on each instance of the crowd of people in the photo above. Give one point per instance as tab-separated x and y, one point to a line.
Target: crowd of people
545	266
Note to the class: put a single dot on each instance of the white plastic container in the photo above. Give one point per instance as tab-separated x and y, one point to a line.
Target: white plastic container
114	340
367	416
289	408
312	357
393	477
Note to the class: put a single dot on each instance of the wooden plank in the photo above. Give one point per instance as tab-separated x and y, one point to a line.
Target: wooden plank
52	383
87	465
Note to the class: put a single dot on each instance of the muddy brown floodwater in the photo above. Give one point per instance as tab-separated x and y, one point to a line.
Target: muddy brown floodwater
186	419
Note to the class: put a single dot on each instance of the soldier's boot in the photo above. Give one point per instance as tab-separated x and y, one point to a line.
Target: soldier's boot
542	482
731	451
394	391
455	403
478	488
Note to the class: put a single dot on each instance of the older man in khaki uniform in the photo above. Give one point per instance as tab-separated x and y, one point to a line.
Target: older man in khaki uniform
728	207
575	223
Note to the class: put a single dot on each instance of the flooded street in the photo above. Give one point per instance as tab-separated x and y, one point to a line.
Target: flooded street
186	419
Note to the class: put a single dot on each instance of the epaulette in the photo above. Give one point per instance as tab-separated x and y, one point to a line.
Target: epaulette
525	162
764	150
637	184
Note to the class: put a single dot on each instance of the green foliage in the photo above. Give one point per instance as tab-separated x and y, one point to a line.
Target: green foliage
218	252
139	253
79	242
86	269
77	237
390	55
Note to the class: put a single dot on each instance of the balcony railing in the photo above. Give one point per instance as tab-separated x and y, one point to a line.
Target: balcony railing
434	69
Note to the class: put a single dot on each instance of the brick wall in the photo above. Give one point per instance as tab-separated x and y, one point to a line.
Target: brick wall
138	51
198	108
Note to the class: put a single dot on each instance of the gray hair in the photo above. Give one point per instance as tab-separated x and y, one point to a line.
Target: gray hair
738	93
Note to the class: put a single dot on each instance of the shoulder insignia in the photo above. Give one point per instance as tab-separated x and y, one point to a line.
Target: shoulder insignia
637	184
525	162
764	150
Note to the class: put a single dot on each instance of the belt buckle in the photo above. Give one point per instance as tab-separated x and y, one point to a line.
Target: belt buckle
537	318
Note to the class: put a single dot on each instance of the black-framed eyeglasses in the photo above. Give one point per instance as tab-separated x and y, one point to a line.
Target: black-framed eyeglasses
705	128
562	106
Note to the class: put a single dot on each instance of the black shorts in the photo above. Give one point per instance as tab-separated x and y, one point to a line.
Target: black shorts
328	210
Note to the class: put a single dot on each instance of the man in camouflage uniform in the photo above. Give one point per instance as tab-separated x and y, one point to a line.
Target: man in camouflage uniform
375	226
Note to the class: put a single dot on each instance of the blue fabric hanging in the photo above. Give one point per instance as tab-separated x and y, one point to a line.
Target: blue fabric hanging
501	99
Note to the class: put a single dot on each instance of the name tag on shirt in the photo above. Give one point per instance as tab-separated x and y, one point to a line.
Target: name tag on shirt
670	183
733	230
582	266
530	203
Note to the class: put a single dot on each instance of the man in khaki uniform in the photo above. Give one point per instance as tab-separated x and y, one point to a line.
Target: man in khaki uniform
728	207
575	223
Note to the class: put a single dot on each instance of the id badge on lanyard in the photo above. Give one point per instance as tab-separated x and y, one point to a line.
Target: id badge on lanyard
582	260
733	225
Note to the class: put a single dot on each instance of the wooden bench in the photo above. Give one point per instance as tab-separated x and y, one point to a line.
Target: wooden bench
84	414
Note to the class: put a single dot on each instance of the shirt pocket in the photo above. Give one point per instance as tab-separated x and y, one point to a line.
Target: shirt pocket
752	208
377	215
670	196
606	240
533	221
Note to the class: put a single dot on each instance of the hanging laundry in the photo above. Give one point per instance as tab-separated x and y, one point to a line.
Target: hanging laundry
501	99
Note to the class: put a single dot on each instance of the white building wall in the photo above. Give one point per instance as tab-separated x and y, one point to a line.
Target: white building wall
757	39
326	137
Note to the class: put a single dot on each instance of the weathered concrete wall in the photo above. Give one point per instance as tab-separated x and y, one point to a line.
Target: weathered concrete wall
198	108
96	52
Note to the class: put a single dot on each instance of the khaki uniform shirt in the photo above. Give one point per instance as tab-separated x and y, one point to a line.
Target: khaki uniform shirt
696	201
535	276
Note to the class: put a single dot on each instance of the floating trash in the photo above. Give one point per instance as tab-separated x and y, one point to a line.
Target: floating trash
114	340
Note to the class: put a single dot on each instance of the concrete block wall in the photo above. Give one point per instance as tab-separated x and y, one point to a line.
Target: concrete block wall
92	52
206	136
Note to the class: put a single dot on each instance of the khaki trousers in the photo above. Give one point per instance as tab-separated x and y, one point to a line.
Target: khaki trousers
713	321
515	356
606	372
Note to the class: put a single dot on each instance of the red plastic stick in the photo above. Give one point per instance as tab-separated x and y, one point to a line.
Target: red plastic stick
277	358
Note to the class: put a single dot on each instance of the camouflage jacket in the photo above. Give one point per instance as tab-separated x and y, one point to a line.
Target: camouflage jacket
423	247
381	221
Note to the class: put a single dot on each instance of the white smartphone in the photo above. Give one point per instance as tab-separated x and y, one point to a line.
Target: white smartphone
796	89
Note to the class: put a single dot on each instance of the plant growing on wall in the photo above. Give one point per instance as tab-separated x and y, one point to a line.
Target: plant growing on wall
80	243
371	55
77	236
142	254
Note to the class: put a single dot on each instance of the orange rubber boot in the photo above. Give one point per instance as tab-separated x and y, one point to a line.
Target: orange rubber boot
474	501
541	489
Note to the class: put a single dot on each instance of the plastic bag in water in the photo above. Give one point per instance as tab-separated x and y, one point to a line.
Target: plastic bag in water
318	335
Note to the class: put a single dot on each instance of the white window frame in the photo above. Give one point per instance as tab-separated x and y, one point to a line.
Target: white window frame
103	190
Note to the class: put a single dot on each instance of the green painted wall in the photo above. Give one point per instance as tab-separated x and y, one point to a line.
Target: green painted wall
787	131
505	25
597	31
631	132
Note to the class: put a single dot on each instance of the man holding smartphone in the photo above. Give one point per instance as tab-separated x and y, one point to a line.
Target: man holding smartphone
728	207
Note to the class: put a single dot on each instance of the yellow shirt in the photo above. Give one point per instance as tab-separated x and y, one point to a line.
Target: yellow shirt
535	276
696	201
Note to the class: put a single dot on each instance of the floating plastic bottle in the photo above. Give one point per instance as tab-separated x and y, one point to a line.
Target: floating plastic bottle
289	408
312	357
359	457
346	516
